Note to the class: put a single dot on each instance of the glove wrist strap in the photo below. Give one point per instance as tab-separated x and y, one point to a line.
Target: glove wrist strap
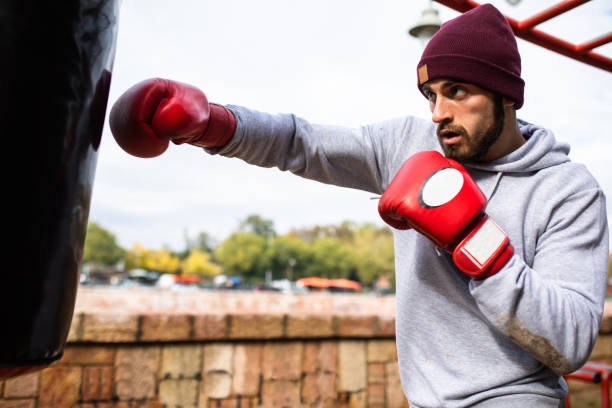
484	251
220	129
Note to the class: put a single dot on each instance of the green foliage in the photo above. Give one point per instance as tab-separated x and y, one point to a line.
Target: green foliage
202	242
243	254
374	253
332	258
361	252
101	246
254	224
289	257
162	260
343	232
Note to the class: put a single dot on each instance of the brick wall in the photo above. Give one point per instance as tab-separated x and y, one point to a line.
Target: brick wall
247	350
115	361
153	349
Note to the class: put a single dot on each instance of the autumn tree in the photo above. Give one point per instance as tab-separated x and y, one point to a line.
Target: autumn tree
162	260
199	263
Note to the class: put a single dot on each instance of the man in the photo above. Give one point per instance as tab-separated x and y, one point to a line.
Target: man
501	335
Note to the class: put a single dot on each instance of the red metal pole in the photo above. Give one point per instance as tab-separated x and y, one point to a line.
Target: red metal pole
580	53
459	5
605	389
585	374
604	39
551	12
561	47
605	371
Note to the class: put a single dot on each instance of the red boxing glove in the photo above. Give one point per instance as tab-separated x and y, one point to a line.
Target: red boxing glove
156	111
437	197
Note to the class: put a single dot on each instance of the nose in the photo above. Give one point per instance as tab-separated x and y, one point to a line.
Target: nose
440	111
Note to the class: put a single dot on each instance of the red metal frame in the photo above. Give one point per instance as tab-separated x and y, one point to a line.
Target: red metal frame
525	29
595	373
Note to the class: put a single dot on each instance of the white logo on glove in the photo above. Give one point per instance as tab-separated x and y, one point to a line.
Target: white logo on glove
441	187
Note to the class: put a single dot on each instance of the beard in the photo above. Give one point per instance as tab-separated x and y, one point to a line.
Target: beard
478	143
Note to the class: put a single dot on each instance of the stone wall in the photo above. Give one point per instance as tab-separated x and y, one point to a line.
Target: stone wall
145	349
326	373
150	349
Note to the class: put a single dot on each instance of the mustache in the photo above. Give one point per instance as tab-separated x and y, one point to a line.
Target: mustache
450	127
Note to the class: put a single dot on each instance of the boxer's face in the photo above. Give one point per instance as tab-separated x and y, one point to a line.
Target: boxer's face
470	119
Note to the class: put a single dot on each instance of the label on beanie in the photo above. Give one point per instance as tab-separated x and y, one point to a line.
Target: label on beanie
423	77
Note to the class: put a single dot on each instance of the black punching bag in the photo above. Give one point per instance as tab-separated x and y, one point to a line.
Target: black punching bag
57	60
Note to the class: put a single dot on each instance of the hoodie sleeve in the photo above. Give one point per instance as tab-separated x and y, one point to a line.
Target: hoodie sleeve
361	158
330	154
553	309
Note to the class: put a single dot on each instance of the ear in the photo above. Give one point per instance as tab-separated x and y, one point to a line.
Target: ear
508	103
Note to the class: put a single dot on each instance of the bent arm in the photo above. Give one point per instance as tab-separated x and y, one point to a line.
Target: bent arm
554	308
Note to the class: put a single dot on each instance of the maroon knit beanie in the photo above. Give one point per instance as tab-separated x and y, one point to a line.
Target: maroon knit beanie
476	47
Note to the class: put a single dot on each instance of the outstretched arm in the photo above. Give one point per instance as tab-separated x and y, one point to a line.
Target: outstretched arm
154	112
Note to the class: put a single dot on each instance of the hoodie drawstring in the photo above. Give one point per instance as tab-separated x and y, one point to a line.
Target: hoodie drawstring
497	178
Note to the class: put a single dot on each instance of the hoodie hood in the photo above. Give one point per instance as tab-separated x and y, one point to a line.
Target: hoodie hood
541	150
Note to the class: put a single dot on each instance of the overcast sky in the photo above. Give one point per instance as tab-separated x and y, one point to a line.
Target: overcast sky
342	62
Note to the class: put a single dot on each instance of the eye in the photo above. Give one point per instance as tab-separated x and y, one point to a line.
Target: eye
430	95
458	91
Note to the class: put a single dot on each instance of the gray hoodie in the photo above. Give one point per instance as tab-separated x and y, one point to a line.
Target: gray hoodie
503	341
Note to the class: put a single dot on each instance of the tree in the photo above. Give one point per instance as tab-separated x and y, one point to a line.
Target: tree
244	254
135	257
289	257
198	263
343	232
257	225
162	260
374	253
203	242
101	247
349	250
331	259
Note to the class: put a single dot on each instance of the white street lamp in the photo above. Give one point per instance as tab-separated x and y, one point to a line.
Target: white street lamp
427	25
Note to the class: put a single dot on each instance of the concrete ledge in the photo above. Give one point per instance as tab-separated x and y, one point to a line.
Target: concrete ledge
107	315
88	327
